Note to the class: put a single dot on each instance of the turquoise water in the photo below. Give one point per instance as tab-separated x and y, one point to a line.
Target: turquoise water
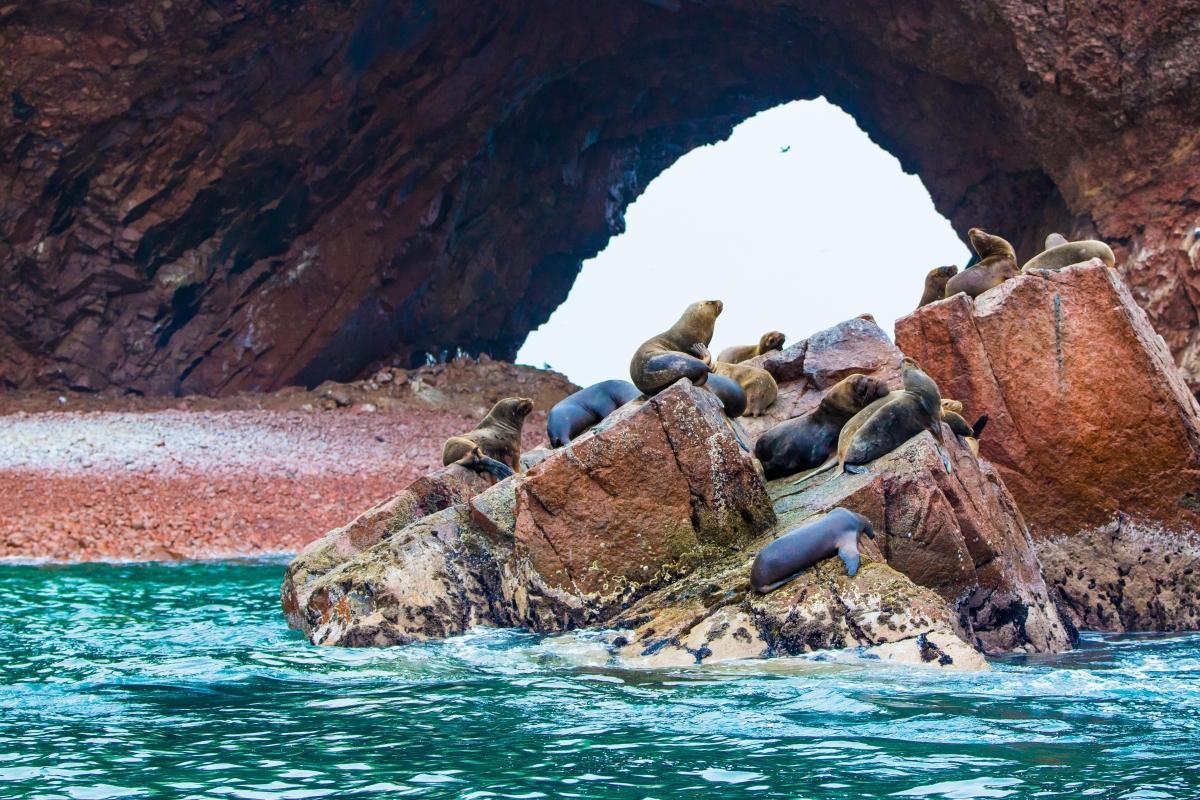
182	681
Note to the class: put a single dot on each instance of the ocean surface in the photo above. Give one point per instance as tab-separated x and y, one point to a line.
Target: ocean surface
183	681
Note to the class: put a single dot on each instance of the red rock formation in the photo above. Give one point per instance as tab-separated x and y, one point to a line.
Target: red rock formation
239	194
1088	417
1091	427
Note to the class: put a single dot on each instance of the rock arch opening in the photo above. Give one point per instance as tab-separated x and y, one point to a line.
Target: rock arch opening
211	201
797	221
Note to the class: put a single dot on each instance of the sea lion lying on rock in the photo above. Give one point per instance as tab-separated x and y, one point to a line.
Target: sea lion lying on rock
1061	253
997	263
768	342
578	412
760	388
806	442
679	352
889	422
498	436
935	284
795	551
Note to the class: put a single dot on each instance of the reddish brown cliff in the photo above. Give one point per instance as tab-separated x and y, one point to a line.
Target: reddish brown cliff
214	195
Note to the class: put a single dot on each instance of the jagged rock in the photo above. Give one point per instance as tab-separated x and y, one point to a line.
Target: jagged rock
1089	417
439	490
1091	425
658	488
206	202
1126	578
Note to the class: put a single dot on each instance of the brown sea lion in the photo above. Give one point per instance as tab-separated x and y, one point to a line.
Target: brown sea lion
729	392
767	343
679	352
935	284
1064	254
889	422
761	389
498	436
797	550
997	263
952	405
578	412
806	442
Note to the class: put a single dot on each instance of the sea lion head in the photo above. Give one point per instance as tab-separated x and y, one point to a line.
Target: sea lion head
986	244
854	393
771	341
1055	240
943	272
924	387
512	409
699	320
952	405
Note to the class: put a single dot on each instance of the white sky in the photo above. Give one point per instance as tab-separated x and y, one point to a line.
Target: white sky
785	239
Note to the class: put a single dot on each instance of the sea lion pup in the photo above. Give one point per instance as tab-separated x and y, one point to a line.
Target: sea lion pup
498	436
761	389
1060	253
795	551
729	392
889	422
997	263
767	343
935	284
680	352
578	412
806	442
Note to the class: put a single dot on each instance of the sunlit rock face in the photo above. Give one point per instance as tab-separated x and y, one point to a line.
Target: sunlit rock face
213	197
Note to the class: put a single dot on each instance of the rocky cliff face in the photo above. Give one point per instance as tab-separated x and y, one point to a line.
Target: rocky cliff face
1091	427
214	196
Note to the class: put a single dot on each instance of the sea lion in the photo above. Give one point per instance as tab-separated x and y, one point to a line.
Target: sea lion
498	436
761	389
679	352
997	263
889	422
968	433
729	392
768	342
935	284
795	551
1064	254
952	405
477	461
577	413
806	442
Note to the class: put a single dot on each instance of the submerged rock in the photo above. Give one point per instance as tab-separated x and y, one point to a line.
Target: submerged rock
1091	425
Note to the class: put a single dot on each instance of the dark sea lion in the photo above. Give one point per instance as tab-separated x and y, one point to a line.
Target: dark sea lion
729	392
768	342
1067	253
760	388
997	263
795	551
498	436
889	422
577	413
935	284
680	352
956	423
806	442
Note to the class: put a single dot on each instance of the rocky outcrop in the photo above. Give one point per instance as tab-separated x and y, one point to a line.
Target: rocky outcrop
1089	418
214	196
649	523
1091	427
660	487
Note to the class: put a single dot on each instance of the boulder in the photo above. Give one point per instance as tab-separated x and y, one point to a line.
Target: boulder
1091	424
659	488
424	496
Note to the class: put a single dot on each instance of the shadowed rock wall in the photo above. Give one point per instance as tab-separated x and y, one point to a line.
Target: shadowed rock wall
219	195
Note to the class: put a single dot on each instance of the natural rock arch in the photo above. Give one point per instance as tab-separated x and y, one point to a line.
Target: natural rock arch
243	194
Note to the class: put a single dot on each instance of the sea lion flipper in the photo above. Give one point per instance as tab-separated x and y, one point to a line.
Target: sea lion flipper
477	461
979	425
850	557
855	469
702	353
